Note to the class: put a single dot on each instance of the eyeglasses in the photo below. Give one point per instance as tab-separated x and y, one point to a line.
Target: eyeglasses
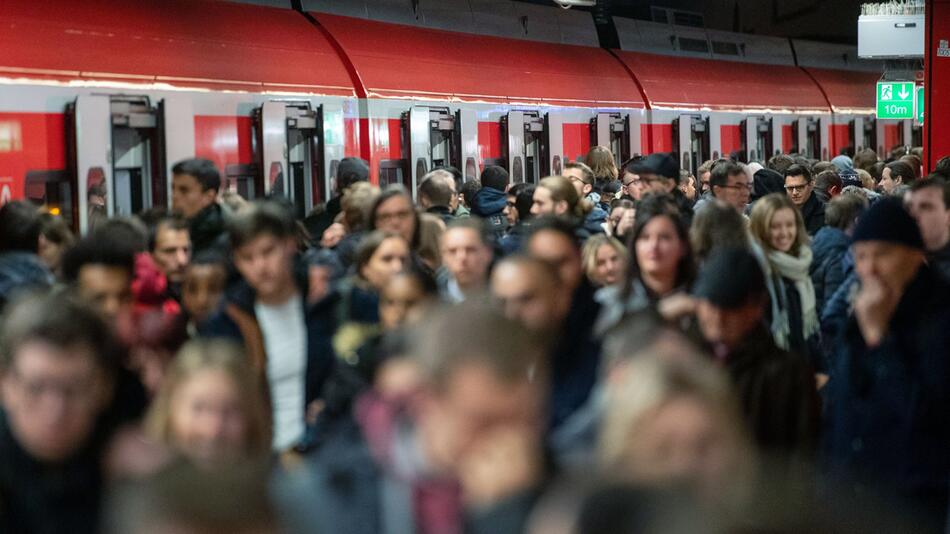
796	188
739	187
396	215
632	182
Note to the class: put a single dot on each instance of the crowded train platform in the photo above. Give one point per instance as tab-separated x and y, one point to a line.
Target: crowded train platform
372	296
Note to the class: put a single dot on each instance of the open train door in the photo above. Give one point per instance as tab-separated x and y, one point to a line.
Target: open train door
691	141
434	137
93	141
291	140
756	134
863	133
807	137
612	130
468	140
120	156
177	121
526	146
554	133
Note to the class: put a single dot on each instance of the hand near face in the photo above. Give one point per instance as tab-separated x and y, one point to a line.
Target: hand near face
874	306
501	463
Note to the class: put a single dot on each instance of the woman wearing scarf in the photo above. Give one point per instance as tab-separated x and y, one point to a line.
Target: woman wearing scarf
779	231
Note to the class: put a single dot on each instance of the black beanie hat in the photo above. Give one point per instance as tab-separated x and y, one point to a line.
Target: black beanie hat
887	220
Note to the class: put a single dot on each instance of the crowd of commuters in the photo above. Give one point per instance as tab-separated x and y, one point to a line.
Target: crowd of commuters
756	347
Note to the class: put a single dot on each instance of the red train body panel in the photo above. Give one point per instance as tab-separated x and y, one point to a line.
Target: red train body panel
219	70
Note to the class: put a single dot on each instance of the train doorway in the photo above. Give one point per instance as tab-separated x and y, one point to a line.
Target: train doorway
123	147
691	141
756	134
612	130
526	147
289	134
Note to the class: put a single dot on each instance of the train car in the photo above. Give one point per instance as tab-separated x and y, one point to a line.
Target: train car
104	96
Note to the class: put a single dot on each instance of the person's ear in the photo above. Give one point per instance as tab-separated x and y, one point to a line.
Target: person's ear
587	189
560	207
834	191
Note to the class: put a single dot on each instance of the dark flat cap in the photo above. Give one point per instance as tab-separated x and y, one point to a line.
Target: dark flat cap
729	277
660	163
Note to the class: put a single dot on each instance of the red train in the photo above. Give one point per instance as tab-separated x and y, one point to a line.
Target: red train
112	93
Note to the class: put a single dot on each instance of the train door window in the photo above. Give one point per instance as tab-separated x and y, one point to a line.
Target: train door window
916	135
393	171
52	190
612	130
691	140
291	152
763	139
471	169
241	179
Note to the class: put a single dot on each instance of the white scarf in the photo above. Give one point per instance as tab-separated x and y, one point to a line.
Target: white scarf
795	269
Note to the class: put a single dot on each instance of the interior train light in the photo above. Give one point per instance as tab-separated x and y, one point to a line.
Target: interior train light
568	4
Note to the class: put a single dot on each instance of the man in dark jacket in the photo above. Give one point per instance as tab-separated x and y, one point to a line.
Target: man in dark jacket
490	201
437	194
195	185
831	244
799	186
582	178
659	173
20	267
467	456
518	211
348	172
930	204
58	366
285	339
888	401
776	388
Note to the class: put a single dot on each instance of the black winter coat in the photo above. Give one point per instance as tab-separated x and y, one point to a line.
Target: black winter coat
813	211
208	231
888	407
777	391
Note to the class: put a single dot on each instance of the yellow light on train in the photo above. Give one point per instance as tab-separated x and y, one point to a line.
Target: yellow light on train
54	210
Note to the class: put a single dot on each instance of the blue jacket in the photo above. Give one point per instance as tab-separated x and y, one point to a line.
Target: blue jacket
21	271
827	269
489	204
888	406
593	222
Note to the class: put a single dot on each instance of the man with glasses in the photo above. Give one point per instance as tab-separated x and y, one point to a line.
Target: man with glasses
57	369
632	185
582	178
729	182
660	175
798	186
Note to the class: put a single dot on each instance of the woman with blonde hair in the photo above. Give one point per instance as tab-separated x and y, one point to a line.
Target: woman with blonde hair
605	260
601	160
778	230
674	419
211	407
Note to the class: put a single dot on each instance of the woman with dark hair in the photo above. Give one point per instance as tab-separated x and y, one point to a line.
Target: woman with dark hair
661	262
393	211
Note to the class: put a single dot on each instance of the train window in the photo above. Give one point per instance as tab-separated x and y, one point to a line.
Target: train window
687	44
393	171
517	171
276	178
725	48
557	164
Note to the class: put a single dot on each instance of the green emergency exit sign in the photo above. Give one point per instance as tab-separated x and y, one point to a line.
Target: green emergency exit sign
920	104
895	100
